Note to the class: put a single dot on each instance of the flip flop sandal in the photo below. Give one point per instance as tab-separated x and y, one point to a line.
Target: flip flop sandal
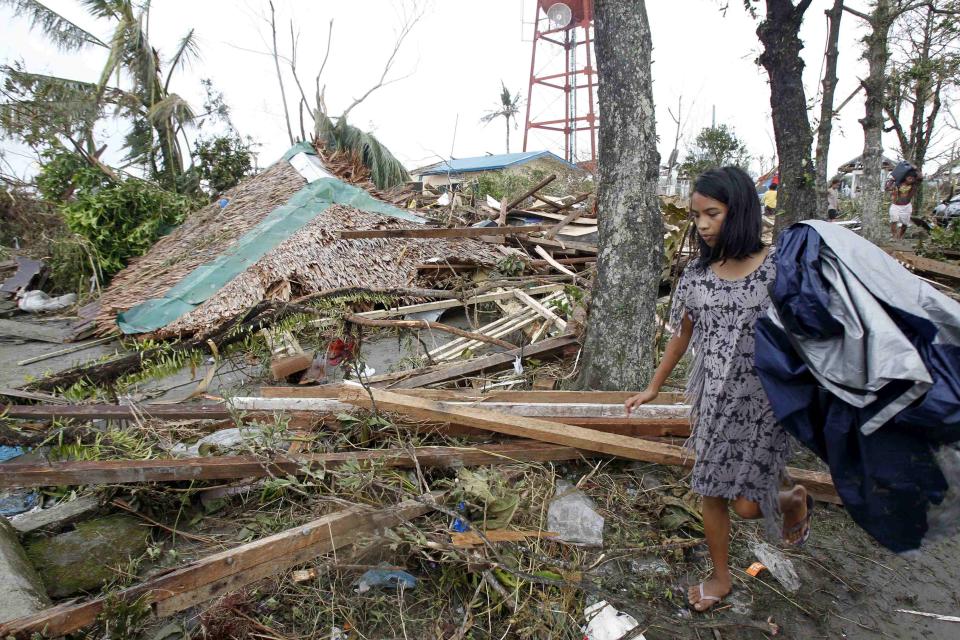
803	525
713	600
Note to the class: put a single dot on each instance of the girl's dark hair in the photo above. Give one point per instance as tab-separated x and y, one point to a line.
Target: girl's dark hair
740	234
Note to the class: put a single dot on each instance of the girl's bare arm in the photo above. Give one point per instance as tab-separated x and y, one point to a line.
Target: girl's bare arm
676	347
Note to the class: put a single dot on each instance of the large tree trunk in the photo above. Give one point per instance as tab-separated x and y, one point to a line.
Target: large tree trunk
619	346
779	33
874	224
825	127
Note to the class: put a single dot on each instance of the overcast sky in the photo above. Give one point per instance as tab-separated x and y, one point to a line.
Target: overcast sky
451	68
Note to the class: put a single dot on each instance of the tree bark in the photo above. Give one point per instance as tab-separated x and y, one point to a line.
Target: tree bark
619	346
779	33
825	128
874	224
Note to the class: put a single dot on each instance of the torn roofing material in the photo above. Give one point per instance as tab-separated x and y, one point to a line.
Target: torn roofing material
282	243
486	163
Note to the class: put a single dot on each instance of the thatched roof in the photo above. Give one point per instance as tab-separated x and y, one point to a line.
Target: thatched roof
315	259
201	238
312	259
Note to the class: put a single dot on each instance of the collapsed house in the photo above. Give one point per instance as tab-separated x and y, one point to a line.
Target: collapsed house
273	237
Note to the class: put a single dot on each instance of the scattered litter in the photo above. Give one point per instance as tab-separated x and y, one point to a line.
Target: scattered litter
604	622
16	501
221	442
650	567
755	569
935	616
386	579
40	302
779	566
573	516
8	453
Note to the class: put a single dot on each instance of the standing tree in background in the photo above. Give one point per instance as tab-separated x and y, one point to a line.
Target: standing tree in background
827	113
508	110
715	147
925	68
780	34
619	346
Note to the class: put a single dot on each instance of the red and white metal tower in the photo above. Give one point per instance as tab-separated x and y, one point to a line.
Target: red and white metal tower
567	24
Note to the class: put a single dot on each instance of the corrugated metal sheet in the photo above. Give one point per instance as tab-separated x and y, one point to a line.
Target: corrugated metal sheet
486	163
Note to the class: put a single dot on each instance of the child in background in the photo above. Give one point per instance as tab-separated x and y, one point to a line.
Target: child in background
770	200
833	199
741	449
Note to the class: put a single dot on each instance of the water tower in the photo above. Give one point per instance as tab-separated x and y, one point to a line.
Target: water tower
563	43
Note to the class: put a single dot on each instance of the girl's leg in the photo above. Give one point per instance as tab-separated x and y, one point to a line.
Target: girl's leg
716	527
793	506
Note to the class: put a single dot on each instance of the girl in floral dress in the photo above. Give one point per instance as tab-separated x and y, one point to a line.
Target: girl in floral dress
741	449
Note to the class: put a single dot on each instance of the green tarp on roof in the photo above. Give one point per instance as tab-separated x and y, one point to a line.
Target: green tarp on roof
281	223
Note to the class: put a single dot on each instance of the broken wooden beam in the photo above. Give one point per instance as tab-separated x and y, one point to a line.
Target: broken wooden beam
117	412
491	363
494	395
426	324
928	265
98	472
819	484
226	571
544	312
454	232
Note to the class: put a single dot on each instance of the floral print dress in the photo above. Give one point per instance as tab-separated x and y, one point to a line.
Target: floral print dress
741	449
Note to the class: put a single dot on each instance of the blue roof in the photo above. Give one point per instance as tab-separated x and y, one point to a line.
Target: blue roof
486	163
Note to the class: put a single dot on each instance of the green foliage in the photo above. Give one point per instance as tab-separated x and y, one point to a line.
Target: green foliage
223	161
125	220
942	239
65	174
385	170
715	147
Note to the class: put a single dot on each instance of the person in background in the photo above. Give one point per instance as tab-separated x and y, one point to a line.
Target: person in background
833	199
770	200
901	202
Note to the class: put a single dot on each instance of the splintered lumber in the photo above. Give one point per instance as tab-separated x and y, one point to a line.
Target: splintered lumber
819	484
566	397
117	412
506	206
97	472
226	571
541	309
31	331
567	219
560	244
448	304
553	263
928	265
455	232
493	362
426	324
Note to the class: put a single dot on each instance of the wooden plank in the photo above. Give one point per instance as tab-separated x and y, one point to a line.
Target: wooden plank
567	219
62	352
98	472
560	244
449	304
928	265
454	232
546	313
473	539
582	397
225	571
30	331
56	517
493	362
118	412
591	222
553	263
550	431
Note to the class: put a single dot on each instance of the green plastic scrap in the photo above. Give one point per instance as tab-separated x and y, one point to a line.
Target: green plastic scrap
281	223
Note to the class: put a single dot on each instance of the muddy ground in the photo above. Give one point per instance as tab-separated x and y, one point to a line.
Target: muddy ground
851	588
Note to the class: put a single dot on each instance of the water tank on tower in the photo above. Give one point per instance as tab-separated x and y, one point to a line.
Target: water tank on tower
561	99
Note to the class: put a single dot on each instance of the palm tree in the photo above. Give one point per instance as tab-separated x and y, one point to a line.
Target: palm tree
508	110
158	115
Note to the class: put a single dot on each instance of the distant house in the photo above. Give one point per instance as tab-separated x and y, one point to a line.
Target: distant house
852	171
453	172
